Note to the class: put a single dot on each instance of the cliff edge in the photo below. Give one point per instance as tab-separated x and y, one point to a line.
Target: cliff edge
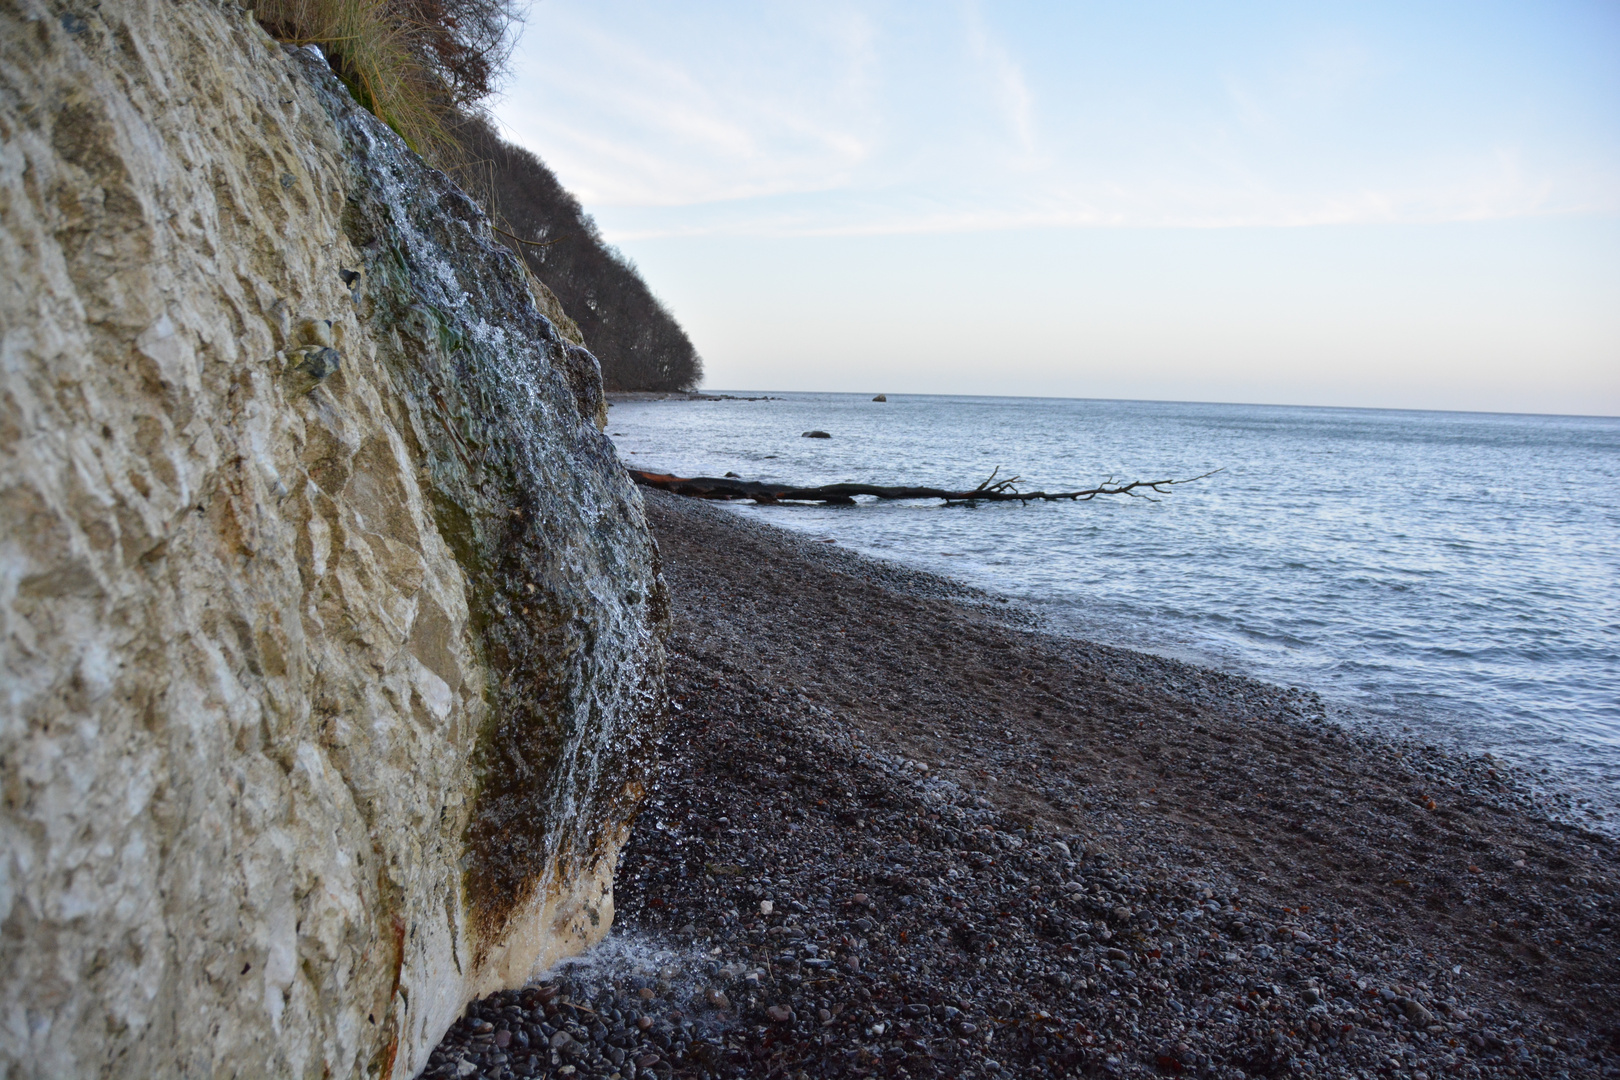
329	621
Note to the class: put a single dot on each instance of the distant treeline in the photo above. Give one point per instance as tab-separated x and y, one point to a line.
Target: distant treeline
423	66
632	334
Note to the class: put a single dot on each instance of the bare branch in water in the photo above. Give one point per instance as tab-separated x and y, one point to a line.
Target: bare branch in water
990	490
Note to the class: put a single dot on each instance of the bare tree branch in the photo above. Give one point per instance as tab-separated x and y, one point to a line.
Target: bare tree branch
531	243
990	490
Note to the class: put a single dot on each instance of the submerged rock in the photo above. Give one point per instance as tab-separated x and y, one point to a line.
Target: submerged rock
330	619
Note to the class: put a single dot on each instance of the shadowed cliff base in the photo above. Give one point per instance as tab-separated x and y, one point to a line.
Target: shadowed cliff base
990	852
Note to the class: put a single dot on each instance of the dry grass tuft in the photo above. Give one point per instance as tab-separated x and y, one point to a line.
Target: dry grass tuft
416	64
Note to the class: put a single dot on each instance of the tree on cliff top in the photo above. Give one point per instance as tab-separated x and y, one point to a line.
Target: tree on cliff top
416	64
422	66
637	340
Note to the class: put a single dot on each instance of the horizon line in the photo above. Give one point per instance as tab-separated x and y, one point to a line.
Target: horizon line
1158	401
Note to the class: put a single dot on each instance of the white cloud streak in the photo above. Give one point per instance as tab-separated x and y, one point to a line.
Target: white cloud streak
632	121
849	118
1005	77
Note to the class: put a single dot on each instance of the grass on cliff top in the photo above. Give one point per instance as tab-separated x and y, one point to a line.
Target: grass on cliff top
415	64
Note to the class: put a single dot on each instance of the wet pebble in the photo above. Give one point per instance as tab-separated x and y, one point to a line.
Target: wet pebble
857	916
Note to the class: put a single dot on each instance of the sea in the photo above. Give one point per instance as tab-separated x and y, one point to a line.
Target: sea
1449	577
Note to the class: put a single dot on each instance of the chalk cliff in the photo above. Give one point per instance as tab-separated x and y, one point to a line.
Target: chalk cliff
328	618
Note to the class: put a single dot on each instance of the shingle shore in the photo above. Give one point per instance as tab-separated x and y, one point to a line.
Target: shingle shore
897	834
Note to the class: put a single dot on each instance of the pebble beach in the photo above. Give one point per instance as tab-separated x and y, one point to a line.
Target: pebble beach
899	830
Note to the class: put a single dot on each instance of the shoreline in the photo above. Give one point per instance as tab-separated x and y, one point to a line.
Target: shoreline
990	850
615	397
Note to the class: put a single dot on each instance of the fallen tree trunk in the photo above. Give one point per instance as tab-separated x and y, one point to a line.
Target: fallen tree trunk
992	490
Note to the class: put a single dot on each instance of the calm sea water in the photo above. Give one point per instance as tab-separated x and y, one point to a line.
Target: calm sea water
1454	574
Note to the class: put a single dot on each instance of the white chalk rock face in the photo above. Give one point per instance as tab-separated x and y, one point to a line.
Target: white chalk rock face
328	618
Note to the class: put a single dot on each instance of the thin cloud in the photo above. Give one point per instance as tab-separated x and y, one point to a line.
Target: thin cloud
1006	79
629	124
1498	196
832	118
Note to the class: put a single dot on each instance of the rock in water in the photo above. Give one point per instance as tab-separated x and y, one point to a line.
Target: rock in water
330	618
881	397
816	435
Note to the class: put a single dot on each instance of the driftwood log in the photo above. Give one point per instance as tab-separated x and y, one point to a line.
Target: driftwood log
992	490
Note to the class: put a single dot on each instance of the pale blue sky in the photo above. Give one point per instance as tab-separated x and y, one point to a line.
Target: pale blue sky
1397	204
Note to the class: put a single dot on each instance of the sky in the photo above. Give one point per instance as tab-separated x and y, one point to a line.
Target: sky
1387	204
